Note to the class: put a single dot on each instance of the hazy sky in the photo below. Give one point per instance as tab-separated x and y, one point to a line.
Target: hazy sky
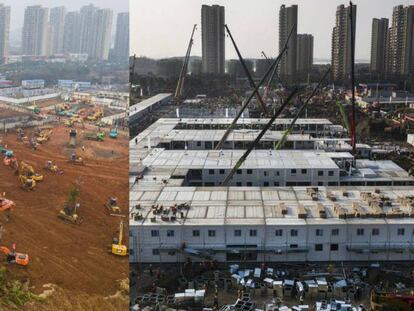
18	6
161	28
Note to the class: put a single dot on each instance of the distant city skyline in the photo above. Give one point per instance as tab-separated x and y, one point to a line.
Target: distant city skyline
18	7
254	25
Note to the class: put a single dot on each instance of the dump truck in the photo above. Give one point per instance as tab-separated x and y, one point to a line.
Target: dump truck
95	136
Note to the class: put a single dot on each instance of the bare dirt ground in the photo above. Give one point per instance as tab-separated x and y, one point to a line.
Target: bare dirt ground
8	113
74	257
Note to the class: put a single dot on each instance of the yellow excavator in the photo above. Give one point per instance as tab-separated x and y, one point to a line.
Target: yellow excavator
117	247
27	176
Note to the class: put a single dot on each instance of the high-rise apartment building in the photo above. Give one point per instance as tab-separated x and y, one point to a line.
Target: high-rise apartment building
95	32
212	35
341	42
304	53
103	31
72	31
4	32
121	46
379	45
57	24
288	20
400	54
35	31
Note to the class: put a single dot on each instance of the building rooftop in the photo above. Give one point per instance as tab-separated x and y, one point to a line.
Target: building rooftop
137	108
270	205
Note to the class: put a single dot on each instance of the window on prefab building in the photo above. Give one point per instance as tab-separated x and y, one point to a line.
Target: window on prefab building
320	173
212	233
330	173
319	232
196	232
293	232
279	232
155	233
238	172
335	232
334	247
360	231
155	251
293	171
170	233
253	232
211	172
401	231
221	172
237	232
238	184
266	184
304	171
375	231
293	246
249	172
249	184
264	173
318	247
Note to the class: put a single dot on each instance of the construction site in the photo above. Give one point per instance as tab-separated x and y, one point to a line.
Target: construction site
63	205
285	204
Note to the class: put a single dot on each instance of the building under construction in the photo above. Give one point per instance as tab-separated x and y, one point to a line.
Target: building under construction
311	201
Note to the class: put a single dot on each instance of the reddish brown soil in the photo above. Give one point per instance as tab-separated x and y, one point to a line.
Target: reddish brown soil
8	113
75	257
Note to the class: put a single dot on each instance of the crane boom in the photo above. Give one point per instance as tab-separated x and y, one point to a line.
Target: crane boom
121	228
253	144
275	62
302	108
180	84
246	70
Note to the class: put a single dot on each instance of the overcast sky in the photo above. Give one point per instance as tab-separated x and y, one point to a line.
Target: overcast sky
161	28
18	6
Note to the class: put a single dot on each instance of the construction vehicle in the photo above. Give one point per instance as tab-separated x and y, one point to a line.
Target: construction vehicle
6	206
36	109
113	133
44	136
99	136
70	210
112	206
10	160
117	247
27	176
50	166
14	257
74	159
96	115
386	301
